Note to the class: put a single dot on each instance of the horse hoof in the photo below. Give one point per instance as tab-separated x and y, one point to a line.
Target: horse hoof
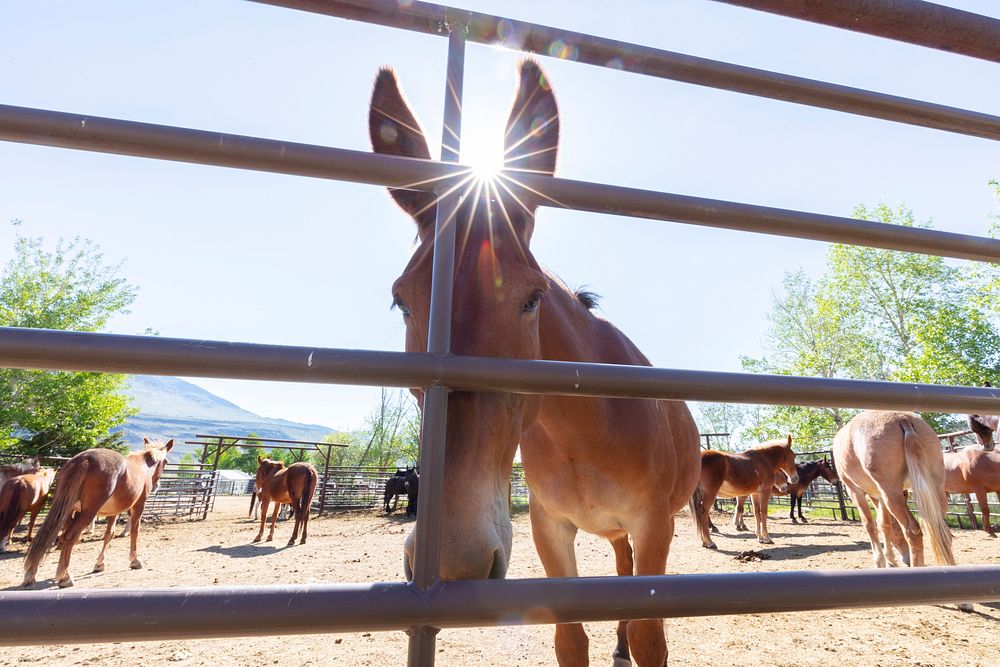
710	545
291	543
65	583
28	583
802	519
270	538
98	568
766	541
620	662
255	540
136	565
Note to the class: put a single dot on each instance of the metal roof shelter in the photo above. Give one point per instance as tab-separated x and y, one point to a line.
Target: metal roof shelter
426	605
224	442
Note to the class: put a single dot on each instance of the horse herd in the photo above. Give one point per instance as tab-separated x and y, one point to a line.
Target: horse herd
620	469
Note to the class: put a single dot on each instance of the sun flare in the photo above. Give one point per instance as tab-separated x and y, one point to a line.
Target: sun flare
483	155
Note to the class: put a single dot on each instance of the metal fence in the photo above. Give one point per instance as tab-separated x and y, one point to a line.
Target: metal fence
426	604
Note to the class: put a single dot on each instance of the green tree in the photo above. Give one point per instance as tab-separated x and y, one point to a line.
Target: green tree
390	436
877	315
70	287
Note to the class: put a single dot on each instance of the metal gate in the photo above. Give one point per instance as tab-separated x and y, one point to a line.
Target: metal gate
426	605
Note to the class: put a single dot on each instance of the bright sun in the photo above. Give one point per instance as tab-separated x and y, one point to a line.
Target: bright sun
483	153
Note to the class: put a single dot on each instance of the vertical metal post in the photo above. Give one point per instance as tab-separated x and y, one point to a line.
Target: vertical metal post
427	544
326	480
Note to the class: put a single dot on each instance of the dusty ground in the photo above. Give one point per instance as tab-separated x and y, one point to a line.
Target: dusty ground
357	548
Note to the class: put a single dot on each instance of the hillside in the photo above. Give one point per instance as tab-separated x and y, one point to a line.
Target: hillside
170	407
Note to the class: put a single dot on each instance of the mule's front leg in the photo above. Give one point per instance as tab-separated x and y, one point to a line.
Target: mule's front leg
646	637
624	565
553	537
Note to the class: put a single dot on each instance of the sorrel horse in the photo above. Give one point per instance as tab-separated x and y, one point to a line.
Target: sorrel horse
808	471
395	486
15	469
881	454
20	495
613	467
97	482
974	471
294	485
731	475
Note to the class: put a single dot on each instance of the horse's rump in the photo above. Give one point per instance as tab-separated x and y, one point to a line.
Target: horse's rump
71	480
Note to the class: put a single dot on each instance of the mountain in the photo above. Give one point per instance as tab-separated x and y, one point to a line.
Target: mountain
172	408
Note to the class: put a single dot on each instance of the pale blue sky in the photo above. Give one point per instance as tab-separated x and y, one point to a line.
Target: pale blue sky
234	255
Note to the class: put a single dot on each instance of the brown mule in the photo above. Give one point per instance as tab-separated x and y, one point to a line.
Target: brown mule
613	467
974	471
97	482
20	495
294	485
731	475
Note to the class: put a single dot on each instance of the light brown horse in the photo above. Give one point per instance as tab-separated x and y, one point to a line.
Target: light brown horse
96	482
294	485
20	495
731	475
612	467
881	454
973	471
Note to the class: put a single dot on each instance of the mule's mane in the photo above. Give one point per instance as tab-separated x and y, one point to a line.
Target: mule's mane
589	299
770	444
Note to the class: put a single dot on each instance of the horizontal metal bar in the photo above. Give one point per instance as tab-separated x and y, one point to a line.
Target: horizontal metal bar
106	135
86	616
914	21
543	40
155	355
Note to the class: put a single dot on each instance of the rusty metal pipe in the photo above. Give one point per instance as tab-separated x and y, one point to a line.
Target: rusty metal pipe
155	355
107	135
602	52
87	616
923	23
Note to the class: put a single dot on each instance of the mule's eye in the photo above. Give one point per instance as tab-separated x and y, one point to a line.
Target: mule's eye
398	303
531	305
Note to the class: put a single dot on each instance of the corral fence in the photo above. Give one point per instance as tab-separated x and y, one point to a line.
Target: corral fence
426	604
350	488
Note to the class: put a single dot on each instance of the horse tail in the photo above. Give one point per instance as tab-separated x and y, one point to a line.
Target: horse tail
312	479
927	480
253	501
10	497
71	479
695	504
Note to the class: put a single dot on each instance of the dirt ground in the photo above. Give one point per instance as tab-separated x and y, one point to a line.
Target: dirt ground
367	547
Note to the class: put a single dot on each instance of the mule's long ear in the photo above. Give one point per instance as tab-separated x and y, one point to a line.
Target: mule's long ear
789	441
532	136
170	445
395	131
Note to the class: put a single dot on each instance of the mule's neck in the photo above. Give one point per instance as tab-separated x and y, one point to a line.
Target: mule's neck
569	331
